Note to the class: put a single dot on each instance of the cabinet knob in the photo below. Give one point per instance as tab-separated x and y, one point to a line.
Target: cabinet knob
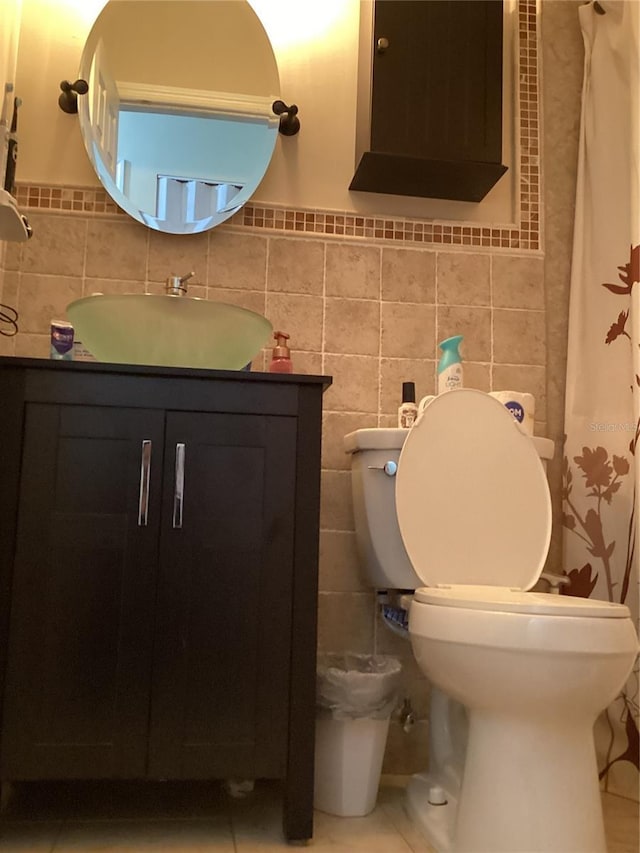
382	44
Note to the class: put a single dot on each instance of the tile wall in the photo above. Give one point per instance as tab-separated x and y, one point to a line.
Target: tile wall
368	314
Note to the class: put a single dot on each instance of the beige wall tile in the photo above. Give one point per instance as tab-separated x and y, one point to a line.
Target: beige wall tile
395	371
517	282
528	378
407	753
8	344
355	383
540	428
335	426
57	246
352	270
296	266
9	290
345	622
261	361
414	684
43	298
463	279
388	421
253	300
299	316
178	254
408	275
475	326
309	363
408	330
111	286
13	255
237	261
339	566
352	326
117	250
476	375
518	337
32	346
336	508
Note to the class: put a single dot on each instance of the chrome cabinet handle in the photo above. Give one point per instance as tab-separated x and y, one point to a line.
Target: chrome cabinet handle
178	495
145	474
390	468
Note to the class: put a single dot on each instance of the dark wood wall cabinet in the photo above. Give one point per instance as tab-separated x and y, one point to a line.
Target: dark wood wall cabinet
430	98
158	575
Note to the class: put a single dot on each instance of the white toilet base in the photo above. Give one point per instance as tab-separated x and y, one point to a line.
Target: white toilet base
435	822
529	785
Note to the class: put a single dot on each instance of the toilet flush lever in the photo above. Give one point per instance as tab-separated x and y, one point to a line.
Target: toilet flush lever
390	467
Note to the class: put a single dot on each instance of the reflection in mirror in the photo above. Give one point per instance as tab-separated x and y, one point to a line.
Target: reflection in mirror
178	121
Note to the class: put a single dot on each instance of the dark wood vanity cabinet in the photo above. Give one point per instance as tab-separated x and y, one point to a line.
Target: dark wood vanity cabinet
159	575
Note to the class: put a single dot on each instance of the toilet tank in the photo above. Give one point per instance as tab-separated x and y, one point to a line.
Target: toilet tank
380	547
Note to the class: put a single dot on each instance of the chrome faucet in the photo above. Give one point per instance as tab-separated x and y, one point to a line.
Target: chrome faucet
175	284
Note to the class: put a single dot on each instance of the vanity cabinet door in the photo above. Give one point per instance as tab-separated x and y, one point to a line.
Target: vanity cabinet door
77	685
220	694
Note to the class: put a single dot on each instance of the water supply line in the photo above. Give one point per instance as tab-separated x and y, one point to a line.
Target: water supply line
406	715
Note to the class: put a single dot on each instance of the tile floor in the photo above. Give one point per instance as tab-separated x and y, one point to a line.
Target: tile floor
201	818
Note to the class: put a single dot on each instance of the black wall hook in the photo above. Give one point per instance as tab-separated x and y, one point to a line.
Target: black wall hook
289	121
68	100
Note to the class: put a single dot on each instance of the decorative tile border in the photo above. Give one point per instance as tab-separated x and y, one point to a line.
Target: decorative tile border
526	235
66	199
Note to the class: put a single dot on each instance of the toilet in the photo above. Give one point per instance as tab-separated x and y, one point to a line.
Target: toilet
460	521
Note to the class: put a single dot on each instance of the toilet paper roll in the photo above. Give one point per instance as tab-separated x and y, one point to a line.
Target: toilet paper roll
425	402
521	405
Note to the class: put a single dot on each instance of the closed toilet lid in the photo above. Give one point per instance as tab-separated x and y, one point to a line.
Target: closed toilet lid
472	497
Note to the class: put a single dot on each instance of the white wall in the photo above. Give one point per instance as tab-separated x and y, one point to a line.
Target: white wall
9	32
316	45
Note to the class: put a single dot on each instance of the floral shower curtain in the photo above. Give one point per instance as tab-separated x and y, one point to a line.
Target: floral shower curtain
601	488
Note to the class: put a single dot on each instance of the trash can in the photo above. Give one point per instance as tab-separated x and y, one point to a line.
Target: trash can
355	697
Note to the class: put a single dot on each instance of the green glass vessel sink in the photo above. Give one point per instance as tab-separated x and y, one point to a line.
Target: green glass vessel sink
167	330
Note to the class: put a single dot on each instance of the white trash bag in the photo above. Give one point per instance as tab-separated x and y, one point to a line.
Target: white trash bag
352	686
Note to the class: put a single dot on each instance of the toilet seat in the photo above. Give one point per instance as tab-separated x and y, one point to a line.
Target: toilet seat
472	497
516	601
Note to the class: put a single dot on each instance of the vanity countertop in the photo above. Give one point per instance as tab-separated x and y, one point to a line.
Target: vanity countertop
97	367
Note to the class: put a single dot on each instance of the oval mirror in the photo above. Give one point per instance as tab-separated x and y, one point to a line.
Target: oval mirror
178	120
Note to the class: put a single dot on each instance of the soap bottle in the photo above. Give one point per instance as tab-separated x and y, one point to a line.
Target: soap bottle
450	365
281	357
408	410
